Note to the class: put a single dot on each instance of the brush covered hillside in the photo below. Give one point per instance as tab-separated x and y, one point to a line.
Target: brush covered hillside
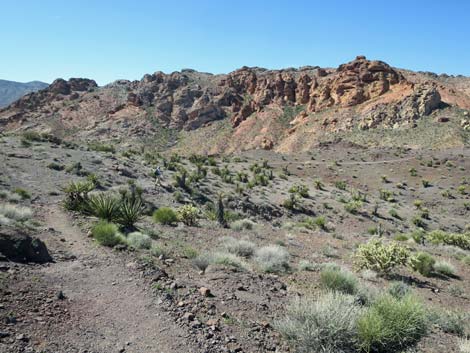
365	102
303	210
10	91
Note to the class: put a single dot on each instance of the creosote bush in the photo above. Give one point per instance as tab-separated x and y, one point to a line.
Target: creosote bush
391	324
339	280
423	263
165	215
106	233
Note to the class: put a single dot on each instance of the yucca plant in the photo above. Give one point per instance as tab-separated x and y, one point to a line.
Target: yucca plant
104	206
77	195
130	211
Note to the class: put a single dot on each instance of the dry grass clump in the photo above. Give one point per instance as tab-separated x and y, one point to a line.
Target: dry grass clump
272	259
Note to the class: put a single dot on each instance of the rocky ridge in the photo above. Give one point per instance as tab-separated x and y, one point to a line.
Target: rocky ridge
363	93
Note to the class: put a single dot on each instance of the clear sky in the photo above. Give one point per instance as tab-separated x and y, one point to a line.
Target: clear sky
107	40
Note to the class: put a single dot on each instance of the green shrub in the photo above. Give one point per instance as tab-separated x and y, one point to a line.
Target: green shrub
339	280
445	268
106	233
299	189
391	324
101	147
326	324
353	206
423	263
165	215
139	240
23	193
188	214
340	184
55	166
272	258
399	289
379	257
103	206
453	322
320	222
461	240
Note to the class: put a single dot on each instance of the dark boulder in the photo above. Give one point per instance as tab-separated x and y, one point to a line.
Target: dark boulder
20	247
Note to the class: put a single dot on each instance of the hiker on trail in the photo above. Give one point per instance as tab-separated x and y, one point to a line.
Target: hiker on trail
158	176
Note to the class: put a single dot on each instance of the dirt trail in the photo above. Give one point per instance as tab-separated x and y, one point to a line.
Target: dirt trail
111	308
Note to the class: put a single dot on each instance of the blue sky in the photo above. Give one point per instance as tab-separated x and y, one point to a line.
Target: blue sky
107	40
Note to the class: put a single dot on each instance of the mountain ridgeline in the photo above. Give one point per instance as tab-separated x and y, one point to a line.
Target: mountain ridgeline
363	101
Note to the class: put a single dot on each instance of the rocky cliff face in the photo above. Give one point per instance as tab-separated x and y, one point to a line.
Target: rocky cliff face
363	93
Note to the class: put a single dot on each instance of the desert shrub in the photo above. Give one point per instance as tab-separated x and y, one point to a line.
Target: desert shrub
299	189
399	289
9	196
305	265
159	251
242	224
139	240
353	206
464	345
76	195
326	324
340	184
291	203
339	280
418	221
453	322
101	147
423	263
426	183
14	213
106	233
320	222
401	237
387	195
445	268
130	211
318	184
461	240
239	247
465	259
55	166
24	194
202	262
272	258
379	257
394	213
165	215
103	206
391	324
188	214
229	260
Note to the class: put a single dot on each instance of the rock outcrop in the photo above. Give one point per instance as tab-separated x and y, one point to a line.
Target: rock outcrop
20	247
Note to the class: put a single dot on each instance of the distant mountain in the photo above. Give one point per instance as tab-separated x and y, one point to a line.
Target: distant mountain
10	91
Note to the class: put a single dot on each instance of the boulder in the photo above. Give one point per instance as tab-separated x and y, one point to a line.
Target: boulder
20	247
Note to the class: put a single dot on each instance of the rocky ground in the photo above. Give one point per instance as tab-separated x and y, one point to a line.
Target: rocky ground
96	299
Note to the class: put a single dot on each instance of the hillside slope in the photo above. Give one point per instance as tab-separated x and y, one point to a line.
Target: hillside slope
11	90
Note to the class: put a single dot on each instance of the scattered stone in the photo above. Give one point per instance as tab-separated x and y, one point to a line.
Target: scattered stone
205	292
188	316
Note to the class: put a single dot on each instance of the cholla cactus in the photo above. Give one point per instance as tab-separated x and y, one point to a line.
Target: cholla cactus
379	257
188	214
